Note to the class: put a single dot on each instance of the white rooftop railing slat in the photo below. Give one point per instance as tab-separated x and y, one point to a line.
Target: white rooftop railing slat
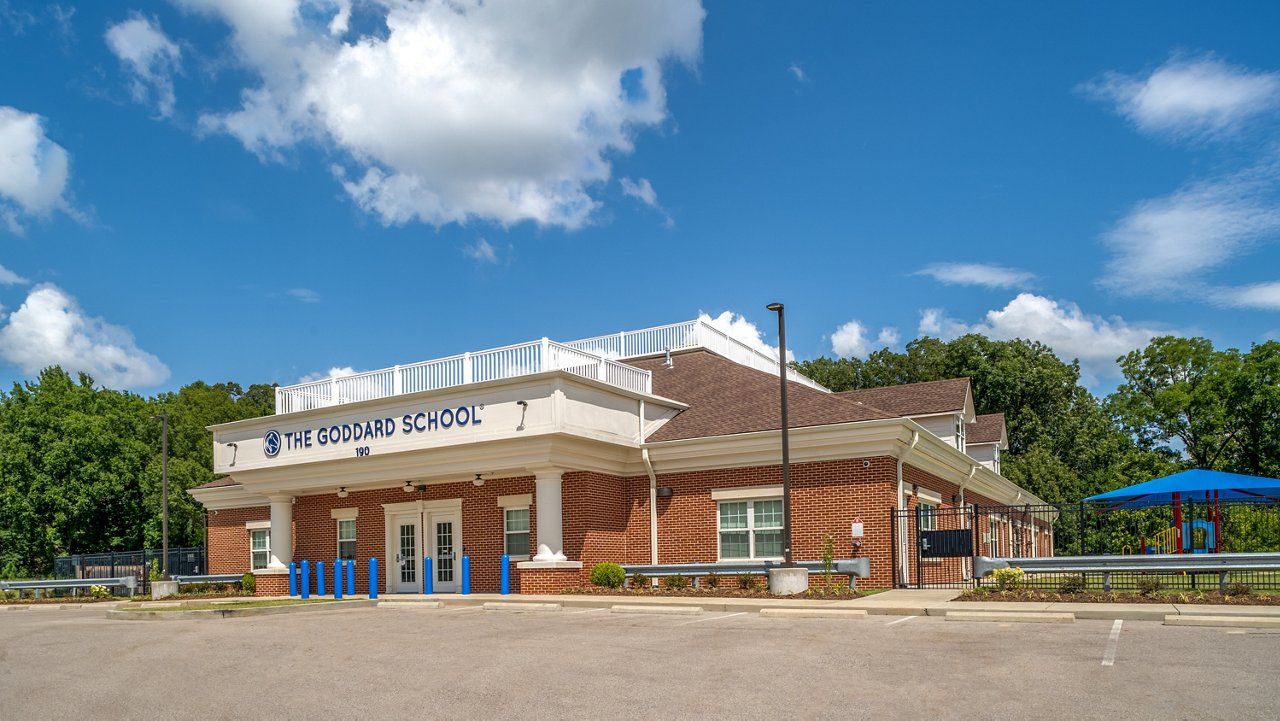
589	358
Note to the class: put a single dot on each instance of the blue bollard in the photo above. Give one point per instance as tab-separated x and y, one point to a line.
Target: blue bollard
351	578
373	577
337	579
428	576
306	580
319	578
466	575
293	579
505	588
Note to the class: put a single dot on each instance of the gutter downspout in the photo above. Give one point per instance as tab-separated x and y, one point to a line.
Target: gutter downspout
653	507
902	506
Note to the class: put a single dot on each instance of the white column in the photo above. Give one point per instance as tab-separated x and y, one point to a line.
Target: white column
281	531
550	516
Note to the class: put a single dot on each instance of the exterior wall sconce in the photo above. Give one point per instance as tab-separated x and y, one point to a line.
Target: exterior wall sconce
664	492
342	492
407	487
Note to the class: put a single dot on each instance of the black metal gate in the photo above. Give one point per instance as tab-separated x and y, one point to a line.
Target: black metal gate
934	547
182	562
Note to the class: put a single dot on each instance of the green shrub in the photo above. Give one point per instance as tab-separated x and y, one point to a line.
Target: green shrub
1237	589
99	592
639	580
249	584
609	575
153	570
675	582
1075	583
1148	585
712	579
10	571
1008	579
746	581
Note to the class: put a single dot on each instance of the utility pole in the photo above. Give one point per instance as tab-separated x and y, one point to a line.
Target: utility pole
786	446
164	495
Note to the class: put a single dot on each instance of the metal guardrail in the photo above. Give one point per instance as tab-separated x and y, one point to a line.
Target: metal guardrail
1219	563
853	568
129	582
212	578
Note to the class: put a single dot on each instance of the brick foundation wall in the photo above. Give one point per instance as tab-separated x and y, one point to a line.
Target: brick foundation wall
271	584
549	580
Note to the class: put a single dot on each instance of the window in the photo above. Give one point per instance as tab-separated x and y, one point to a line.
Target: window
259	548
751	529
960	432
993	537
926	513
516	531
995	459
347	539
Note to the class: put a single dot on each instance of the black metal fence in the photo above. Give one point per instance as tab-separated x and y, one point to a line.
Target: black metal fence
935	547
182	562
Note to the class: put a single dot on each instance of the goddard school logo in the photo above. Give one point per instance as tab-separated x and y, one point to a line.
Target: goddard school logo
271	443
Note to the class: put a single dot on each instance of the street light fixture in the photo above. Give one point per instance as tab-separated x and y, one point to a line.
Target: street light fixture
786	445
164	495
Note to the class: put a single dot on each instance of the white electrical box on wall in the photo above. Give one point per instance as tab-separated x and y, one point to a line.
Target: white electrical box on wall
856	528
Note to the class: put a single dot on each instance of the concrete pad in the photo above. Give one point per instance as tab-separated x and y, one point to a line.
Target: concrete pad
661	610
851	613
1011	617
1224	621
517	606
411	604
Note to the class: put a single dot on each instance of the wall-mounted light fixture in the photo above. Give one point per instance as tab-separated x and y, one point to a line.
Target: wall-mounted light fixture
235	450
664	492
478	480
524	408
407	487
342	492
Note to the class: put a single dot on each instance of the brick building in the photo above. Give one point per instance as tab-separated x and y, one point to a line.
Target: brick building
649	447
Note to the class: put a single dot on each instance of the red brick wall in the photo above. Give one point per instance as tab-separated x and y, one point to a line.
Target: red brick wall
271	584
228	539
548	580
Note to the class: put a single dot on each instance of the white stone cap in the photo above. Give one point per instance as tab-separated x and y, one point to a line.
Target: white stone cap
549	564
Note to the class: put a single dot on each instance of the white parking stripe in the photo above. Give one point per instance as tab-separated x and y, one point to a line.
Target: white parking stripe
712	618
904	619
1109	658
589	610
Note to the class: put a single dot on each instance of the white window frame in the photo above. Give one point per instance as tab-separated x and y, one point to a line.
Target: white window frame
750	529
354	535
993	533
266	535
929	515
960	431
506	534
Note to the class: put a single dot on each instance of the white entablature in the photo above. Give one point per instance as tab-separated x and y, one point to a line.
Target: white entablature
597	358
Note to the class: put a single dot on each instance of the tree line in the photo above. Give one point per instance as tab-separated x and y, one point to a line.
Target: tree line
80	464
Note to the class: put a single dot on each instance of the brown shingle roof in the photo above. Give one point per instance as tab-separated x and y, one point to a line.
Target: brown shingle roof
915	399
987	428
220	482
725	397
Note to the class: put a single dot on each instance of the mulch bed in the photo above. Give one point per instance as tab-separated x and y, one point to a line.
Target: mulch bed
704	592
1034	596
56	601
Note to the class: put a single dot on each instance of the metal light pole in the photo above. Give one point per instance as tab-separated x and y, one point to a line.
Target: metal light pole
164	495
786	445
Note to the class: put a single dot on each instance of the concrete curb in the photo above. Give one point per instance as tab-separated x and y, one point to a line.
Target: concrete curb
1012	616
201	614
1224	621
847	613
518	607
658	610
411	604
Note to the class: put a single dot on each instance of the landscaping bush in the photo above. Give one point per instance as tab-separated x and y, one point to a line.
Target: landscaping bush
1237	589
153	570
712	579
746	581
609	575
249	583
639	580
1148	585
1075	583
675	582
1008	579
99	592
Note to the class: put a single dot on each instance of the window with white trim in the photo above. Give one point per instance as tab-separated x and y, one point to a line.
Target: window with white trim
516	531
259	548
926	512
750	529
347	539
960	432
993	536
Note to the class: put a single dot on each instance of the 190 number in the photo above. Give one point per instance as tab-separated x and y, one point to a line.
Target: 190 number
362	451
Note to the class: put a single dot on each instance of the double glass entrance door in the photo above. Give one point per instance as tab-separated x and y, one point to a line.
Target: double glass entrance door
441	543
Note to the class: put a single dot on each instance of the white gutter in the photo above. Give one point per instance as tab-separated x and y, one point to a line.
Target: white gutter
653	507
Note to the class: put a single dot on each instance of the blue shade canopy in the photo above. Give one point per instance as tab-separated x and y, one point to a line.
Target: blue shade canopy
1193	485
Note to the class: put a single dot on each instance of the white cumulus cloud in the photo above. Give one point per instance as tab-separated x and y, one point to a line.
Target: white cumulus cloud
500	111
481	251
334	372
850	340
1190	96
738	327
304	295
1167	245
984	274
33	170
1095	340
51	329
8	277
150	59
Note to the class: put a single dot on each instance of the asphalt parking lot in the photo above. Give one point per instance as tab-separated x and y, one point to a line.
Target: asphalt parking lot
453	663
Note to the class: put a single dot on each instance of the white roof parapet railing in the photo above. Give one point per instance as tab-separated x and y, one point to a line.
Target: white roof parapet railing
590	358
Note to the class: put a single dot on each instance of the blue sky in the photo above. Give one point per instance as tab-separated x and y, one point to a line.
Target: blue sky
265	191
